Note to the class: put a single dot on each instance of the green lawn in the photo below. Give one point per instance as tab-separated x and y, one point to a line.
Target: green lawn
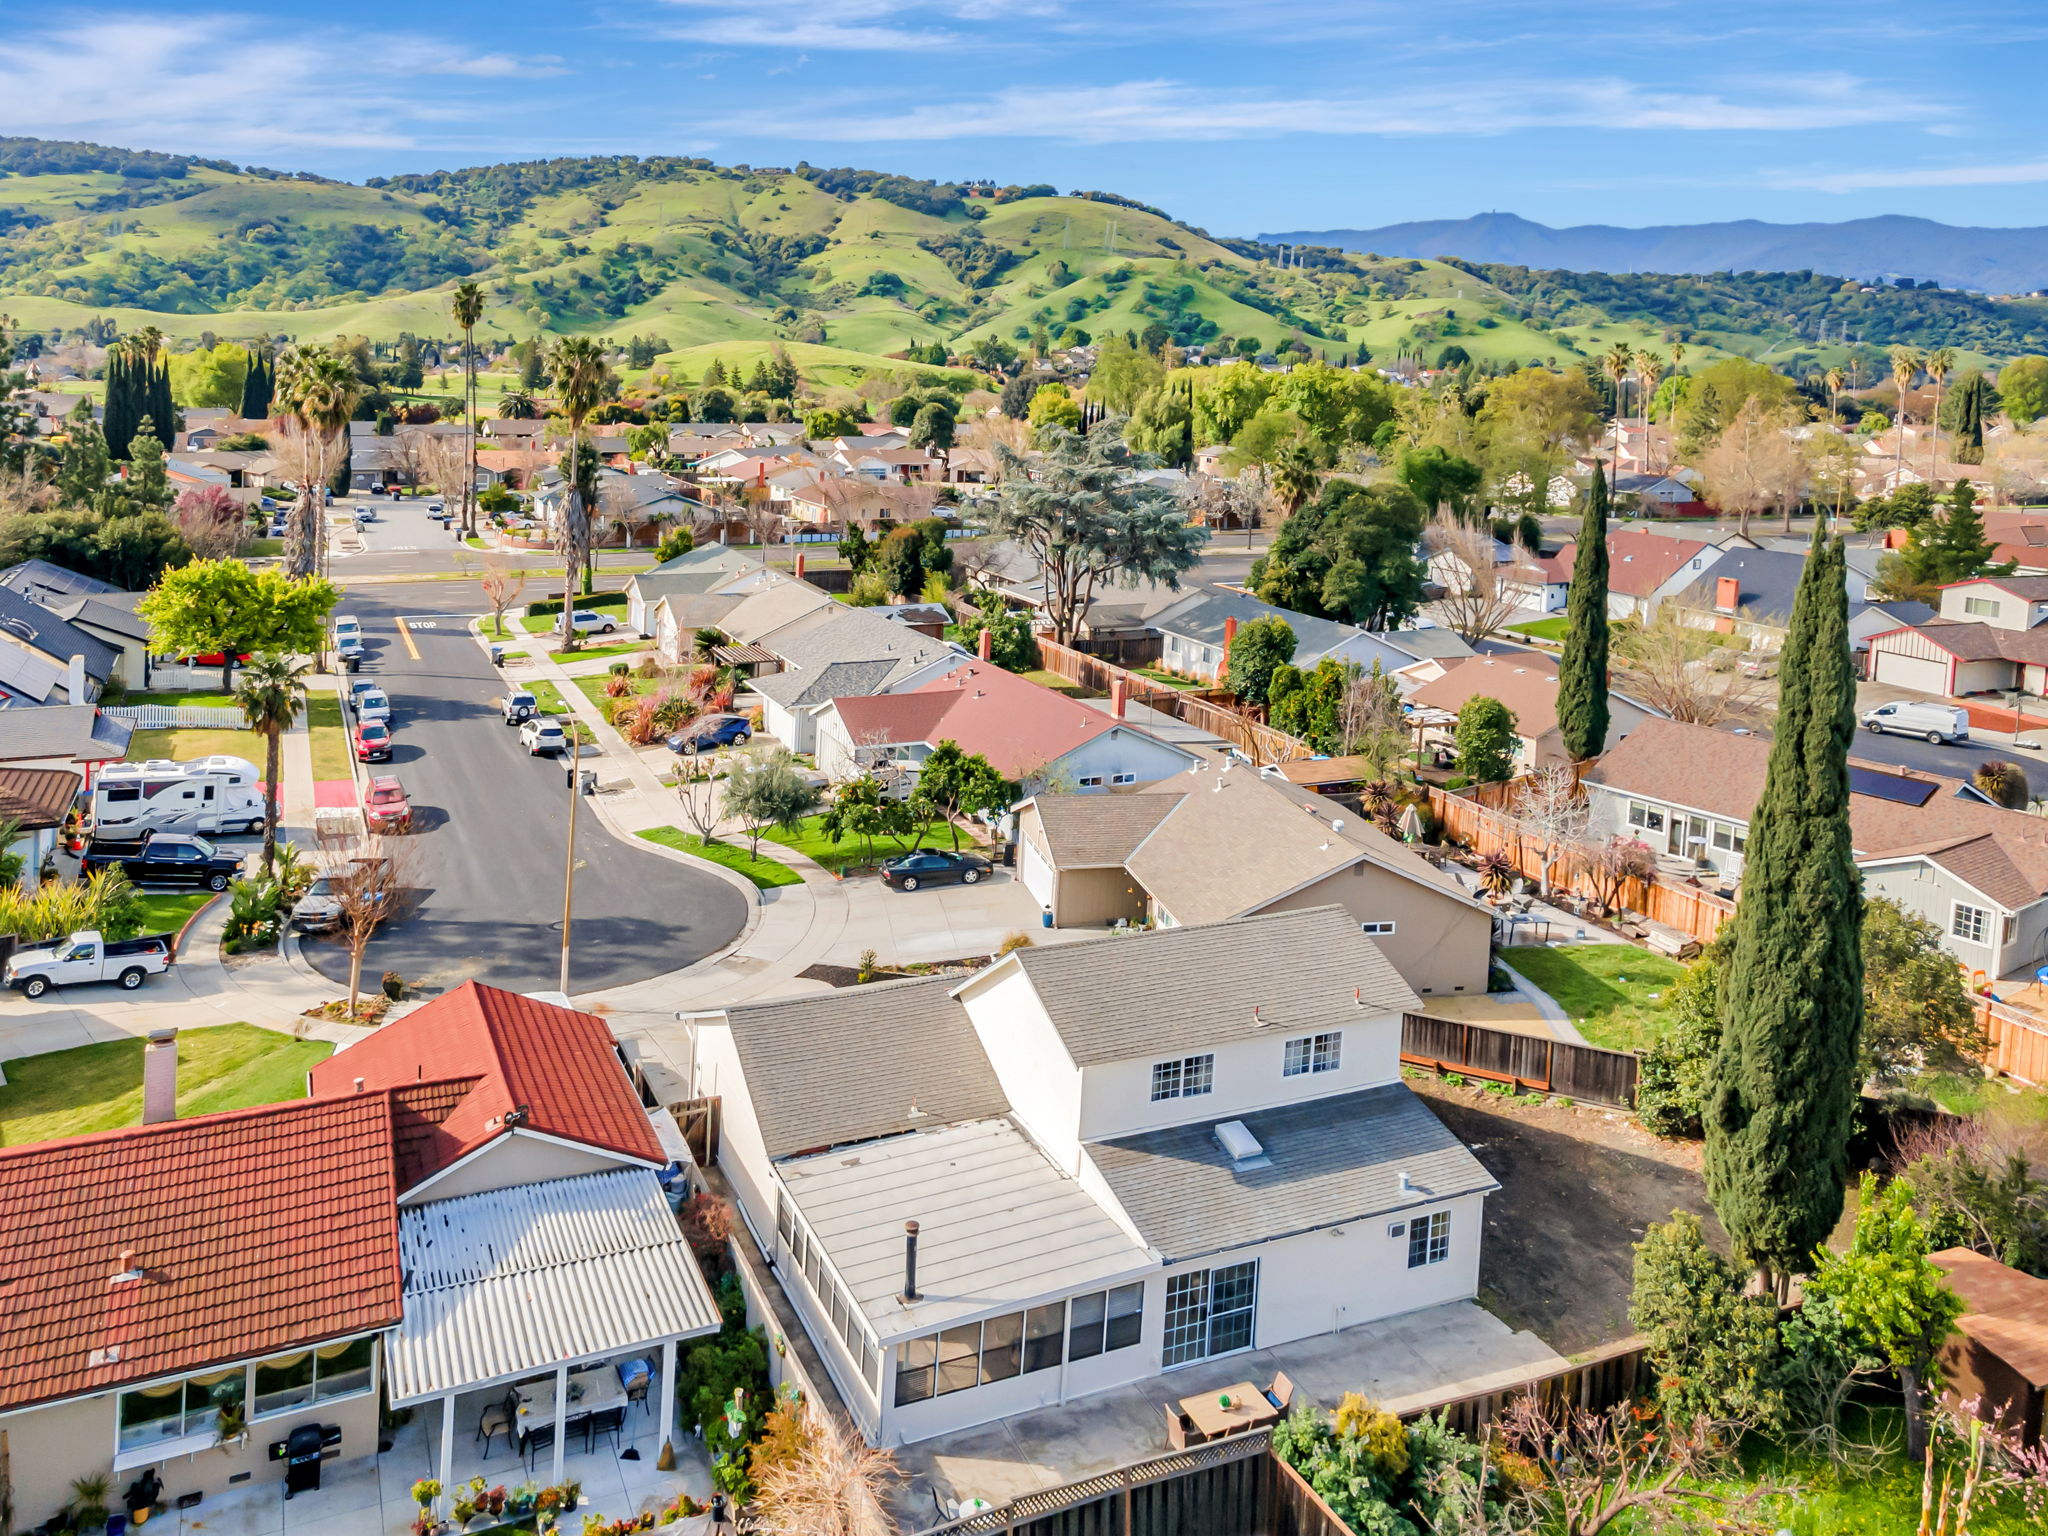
1615	993
99	1087
765	872
1542	629
547	698
615	648
166	912
592	688
810	840
263	549
1168	680
1058	684
330	739
184	745
512	627
196	698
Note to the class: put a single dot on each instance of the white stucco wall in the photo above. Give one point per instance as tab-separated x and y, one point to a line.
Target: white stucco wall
1030	1061
1121	750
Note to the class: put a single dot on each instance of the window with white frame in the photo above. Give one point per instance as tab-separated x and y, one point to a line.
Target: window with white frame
807	1258
1981	607
1313	1053
1209	1312
1729	837
1015	1344
1187	1078
1648	817
1123	778
1101	1321
177	1410
1970	924
1379	929
1429	1239
1091	781
285	1383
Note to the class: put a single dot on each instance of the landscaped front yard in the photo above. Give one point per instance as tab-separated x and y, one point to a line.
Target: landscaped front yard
168	911
765	872
99	1087
810	840
183	745
1542	629
1614	993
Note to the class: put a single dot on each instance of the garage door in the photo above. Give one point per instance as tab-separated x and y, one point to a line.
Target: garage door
1907	671
1035	872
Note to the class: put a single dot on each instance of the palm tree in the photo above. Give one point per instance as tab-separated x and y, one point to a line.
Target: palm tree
1939	364
1295	477
1616	364
518	406
321	391
1649	369
469	308
1835	380
580	374
271	693
1677	356
1906	365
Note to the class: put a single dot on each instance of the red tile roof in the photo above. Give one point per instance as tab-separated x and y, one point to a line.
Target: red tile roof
257	1230
1017	725
557	1065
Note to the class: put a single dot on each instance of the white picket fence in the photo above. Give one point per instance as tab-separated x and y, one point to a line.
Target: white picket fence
172	717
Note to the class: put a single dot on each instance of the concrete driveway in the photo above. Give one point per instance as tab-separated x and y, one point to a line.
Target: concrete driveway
942	922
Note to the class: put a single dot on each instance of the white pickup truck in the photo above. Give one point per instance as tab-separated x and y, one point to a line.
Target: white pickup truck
86	956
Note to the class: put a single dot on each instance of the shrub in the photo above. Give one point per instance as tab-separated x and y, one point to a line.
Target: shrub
255	909
394	986
1015	941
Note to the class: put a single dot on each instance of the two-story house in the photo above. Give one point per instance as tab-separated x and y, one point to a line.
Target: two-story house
1091	1163
1991	636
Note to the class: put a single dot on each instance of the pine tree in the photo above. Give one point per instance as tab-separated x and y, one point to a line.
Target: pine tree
1953	547
1784	1089
1582	674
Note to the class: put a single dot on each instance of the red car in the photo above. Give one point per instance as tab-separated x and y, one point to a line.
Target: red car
373	742
386	807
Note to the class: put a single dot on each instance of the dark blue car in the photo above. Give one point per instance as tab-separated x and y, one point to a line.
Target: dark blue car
932	867
710	731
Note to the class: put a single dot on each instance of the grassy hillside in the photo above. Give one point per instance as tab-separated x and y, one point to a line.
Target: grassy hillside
844	267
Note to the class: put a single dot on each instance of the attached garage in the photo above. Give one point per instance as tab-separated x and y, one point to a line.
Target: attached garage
1035	872
1905	658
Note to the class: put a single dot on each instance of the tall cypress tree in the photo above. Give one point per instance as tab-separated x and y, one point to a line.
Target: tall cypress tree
124	400
1582	674
157	403
259	385
1778	1114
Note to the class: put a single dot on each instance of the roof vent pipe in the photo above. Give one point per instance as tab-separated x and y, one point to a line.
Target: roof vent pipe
910	1263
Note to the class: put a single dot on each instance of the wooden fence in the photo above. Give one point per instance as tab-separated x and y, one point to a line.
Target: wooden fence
1615	1373
1528	1061
2019	1043
1485	830
1260	742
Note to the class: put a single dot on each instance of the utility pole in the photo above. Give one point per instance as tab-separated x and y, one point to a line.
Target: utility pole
569	866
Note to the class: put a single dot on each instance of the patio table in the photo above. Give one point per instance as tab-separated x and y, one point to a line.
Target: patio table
1248	1410
590	1391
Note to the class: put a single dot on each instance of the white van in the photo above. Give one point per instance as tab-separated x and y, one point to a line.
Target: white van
1905	717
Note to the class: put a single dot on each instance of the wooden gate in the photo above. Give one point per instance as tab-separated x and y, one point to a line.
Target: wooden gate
698	1119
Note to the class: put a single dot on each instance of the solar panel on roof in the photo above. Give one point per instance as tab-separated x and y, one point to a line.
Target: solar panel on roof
1890	786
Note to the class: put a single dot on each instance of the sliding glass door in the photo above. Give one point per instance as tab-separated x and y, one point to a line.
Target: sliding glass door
1209	1312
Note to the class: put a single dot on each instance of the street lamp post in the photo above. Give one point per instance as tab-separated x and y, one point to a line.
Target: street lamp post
569	866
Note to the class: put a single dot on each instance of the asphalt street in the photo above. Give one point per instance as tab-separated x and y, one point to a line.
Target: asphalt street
490	827
1957	762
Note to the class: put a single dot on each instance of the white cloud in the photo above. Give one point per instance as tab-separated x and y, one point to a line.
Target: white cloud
1876	178
230	85
1172	110
845	26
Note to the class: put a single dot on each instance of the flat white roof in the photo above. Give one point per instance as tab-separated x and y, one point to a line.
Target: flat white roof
513	1282
999	1226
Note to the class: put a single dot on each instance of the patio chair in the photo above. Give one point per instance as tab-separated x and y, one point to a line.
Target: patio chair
1281	1393
637	1377
606	1421
541	1437
1180	1429
496	1419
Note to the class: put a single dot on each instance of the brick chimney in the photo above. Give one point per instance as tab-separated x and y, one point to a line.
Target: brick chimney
1727	593
984	644
160	1077
1229	639
1119	695
799	565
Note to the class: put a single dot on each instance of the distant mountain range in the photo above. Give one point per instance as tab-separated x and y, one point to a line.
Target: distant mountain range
1990	260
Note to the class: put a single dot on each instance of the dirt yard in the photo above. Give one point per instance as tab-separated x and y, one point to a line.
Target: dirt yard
1578	1188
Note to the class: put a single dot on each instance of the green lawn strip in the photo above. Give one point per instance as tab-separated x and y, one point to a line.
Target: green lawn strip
765	872
263	549
475	542
1541	629
330	739
547	698
1615	993
513	628
1059	684
593	689
99	1087
194	698
615	648
182	745
810	840
1168	680
167	911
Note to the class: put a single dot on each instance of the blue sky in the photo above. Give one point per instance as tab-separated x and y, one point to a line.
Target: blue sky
1237	116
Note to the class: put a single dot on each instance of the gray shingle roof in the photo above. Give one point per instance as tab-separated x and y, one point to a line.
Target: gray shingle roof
1332	1161
837	680
118	618
77	731
847	654
36	626
1189	988
849	1065
1095	831
40	579
1201	614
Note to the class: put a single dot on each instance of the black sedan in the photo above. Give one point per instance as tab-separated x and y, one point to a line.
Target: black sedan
931	867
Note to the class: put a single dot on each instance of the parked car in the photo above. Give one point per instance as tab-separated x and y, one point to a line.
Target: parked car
163	858
373	741
707	732
932	867
360	686
584	622
1914	717
345	625
518	706
386	807
86	956
365	514
541	735
435	509
372	704
320	909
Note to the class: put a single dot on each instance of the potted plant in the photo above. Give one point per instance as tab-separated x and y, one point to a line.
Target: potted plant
424	1493
88	1506
523	1497
494	1501
572	1494
465	1509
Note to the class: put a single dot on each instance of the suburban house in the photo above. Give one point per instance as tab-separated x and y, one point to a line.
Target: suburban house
110	618
1035	737
828	504
69	736
467	1210
1080	1168
1976	871
48	660
1526	682
1226	841
34	803
1643	568
1991	636
1654	495
831	652
702	571
1196	632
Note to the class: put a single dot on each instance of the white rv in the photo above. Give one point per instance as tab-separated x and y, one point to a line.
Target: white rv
208	795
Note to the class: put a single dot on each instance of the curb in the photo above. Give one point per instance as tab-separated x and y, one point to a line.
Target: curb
178	943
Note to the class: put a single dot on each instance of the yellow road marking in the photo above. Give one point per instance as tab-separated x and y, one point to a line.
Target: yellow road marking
405	634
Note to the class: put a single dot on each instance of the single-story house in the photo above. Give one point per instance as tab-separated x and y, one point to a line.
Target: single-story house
846	501
1991	636
1749	592
834	652
467	1209
1978	872
703	570
1526	682
1227	840
111	617
1036	737
1115	1159
1195	635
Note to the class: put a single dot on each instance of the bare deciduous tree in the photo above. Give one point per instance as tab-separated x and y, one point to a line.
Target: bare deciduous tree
1371	723
1614	863
1754	465
838	1486
2018	462
502	584
1477	602
1679	665
370	879
1553	814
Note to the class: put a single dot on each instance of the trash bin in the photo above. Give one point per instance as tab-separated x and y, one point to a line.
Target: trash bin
589	785
1045	918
